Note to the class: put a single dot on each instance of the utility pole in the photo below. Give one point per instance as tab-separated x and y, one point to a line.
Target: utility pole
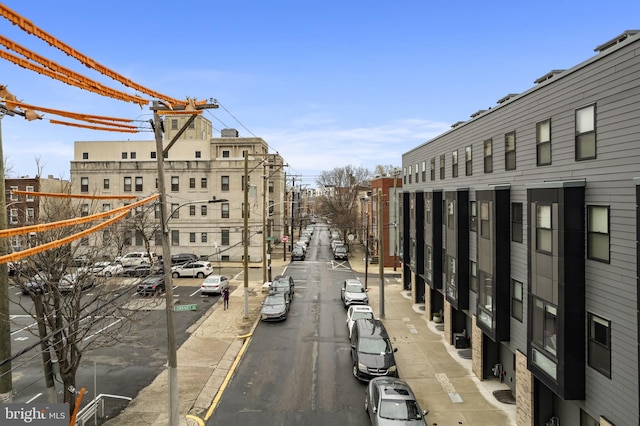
286	228
245	214
264	222
395	218
6	392
381	252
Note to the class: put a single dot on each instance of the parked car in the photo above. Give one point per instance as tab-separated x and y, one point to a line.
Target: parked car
142	270
340	253
80	260
110	269
391	401
151	285
353	293
356	312
283	283
70	282
275	307
297	253
197	269
136	258
35	285
371	350
214	284
180	258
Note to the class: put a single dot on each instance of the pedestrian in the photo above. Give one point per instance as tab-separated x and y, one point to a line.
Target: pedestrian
225	297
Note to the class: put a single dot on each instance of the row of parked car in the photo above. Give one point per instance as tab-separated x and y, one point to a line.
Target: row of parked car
277	304
388	400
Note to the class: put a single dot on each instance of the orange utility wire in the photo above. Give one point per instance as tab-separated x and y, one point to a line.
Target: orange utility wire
181	112
62	195
87	126
68	114
75	221
28	26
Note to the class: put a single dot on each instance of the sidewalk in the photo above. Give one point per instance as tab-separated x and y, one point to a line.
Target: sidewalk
441	379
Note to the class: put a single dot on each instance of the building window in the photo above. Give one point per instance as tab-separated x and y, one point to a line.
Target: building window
516	299
175	183
544	328
451	214
271	207
485	222
84	184
139	238
156	211
106	207
473	216
488	156
543	143
271	187
192	183
427	211
224	237
225	154
175	211
192	237
428	263
224	210
203	237
586	133
543	228
473	276
127	184
124	155
598	233
468	161
203	210
599	351
174	124
454	164
157	236
424	172
224	183
30	197
175	237
192	125
31	215
127	238
516	222
153	154
105	184
85	155
156	183
192	210
198	154
13	197
203	183
85	210
138	183
510	151
442	167
13	216
132	155
433	169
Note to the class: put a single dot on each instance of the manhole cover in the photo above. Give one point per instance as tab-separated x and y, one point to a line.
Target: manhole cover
505	396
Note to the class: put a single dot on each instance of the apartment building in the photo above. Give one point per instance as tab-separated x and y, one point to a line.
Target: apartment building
520	225
199	167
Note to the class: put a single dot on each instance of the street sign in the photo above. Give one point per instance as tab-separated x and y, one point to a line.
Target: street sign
178	308
284	238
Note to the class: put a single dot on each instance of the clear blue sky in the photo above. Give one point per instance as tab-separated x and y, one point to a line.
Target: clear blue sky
325	83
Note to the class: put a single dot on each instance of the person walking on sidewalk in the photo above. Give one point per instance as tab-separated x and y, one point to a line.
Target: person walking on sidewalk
225	297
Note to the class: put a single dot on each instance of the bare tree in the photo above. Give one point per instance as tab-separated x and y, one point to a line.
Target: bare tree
384	170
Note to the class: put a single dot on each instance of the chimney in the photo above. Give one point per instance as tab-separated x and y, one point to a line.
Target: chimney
229	133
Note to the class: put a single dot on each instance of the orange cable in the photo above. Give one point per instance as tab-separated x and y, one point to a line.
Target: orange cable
75	115
86	126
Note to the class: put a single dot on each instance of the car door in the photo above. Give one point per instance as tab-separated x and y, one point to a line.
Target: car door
373	404
344	283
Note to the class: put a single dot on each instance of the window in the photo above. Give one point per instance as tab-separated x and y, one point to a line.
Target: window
127	183
224	210
105	184
175	211
192	125
271	187
516	222
451	284
192	237
454	164
175	183
442	167
106	207
428	263
14	197
224	183
192	210
599	342
157	236
174	124
424	172
84	184
85	210
124	155
427	211
516	299
224	237
198	154
543	143
488	156
510	151
153	154
485	222
85	155
13	216
30	197
271	207
468	164
473	216
473	276
31	215
138	183
192	183
203	183
544	325
139	238
127	238
203	237
156	211
433	169
132	155
586	133
598	233
543	228
203	210
225	154
175	237
451	211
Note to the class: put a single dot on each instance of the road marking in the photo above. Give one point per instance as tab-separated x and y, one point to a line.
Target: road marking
448	387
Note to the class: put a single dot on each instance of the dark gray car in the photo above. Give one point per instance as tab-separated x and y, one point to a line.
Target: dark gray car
275	307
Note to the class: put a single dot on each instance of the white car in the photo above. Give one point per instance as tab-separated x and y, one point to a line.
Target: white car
355	312
103	269
136	258
214	284
197	269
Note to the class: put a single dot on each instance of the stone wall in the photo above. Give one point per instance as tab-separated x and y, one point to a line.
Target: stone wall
524	391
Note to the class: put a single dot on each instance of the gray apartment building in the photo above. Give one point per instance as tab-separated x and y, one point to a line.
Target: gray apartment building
520	226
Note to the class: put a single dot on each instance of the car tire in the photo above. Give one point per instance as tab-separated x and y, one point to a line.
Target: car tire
366	404
355	371
200	275
175	275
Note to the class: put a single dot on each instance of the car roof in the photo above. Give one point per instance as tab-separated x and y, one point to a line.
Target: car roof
393	388
362	308
371	328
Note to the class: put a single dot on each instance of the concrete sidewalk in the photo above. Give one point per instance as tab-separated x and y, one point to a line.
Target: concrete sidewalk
440	377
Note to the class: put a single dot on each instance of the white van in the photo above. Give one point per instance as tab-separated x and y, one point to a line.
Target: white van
136	258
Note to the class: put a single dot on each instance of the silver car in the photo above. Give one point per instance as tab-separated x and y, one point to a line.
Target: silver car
390	401
353	293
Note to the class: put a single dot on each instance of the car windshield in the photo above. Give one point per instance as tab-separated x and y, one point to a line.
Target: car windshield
279	284
213	280
399	410
354	288
358	315
374	346
274	301
341	249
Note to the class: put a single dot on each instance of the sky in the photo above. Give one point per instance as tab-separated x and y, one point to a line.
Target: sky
325	83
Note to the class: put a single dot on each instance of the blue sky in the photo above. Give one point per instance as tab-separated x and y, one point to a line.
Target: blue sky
325	83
